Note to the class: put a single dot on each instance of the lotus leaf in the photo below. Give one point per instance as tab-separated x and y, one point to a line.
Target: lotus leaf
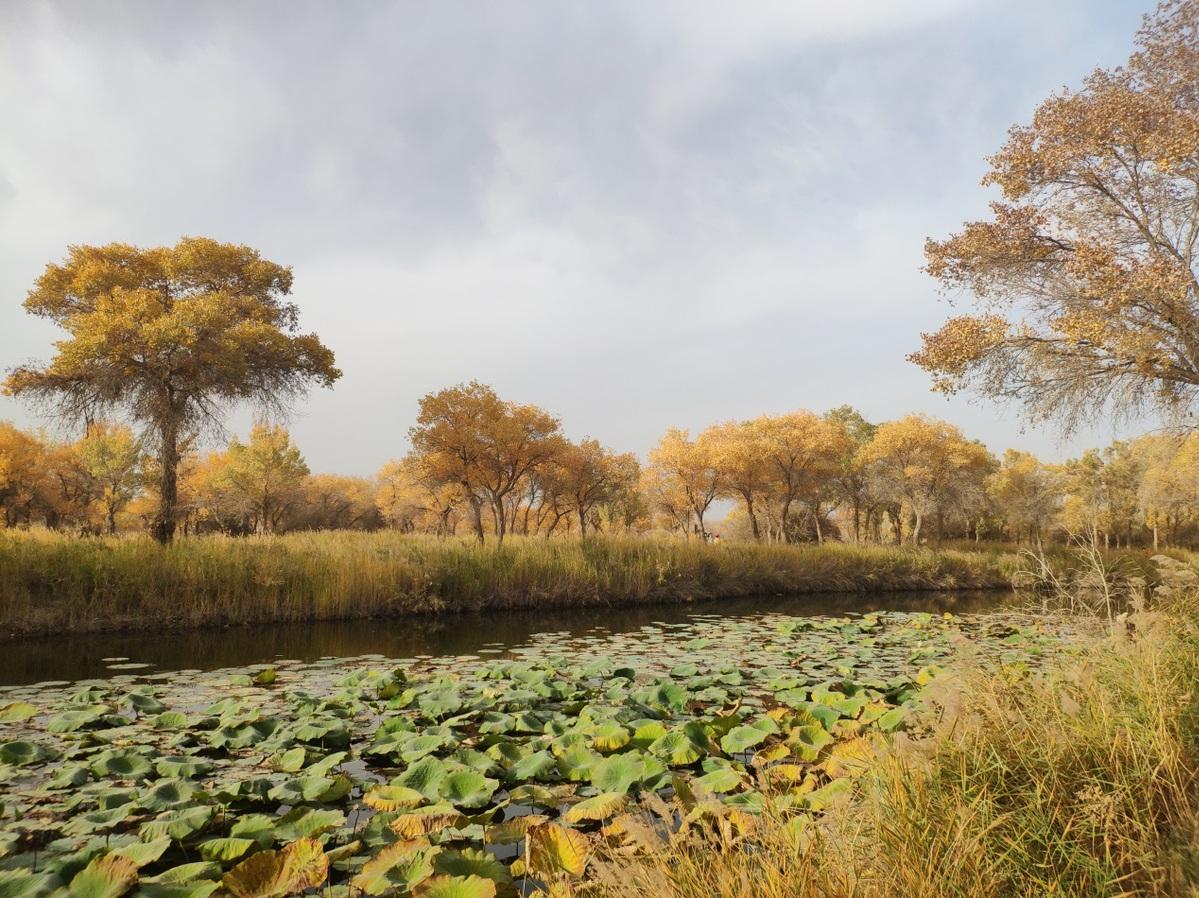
110	876
445	886
552	849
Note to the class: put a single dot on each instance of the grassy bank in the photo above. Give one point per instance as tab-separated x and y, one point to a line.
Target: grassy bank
51	584
1080	783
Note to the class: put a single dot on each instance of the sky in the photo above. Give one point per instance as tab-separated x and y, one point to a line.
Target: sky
635	213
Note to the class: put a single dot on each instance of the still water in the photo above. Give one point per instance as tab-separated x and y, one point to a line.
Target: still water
494	632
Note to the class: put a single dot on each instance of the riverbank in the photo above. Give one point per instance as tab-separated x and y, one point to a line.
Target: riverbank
53	584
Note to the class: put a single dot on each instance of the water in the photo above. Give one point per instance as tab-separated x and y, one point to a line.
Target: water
494	632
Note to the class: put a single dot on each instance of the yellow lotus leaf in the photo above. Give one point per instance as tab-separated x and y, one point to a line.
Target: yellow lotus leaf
552	849
276	874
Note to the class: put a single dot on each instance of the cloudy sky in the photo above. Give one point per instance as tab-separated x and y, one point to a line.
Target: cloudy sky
636	213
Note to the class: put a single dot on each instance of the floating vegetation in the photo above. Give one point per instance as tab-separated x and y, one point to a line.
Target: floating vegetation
467	776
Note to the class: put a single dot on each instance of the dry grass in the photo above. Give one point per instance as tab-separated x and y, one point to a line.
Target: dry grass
51	583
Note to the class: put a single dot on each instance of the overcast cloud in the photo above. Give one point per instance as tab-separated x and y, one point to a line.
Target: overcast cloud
636	214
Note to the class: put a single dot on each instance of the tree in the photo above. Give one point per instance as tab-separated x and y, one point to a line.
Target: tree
170	335
335	502
471	437
265	476
112	457
1026	491
802	452
592	475
927	466
852	481
1169	488
686	469
740	455
1085	274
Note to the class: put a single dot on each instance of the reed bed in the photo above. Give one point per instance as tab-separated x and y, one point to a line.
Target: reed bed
50	583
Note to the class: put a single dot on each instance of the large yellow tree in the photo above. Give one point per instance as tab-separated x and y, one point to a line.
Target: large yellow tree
1085	274
170	336
927	466
471	437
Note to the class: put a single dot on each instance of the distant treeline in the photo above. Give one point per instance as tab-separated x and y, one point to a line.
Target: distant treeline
483	466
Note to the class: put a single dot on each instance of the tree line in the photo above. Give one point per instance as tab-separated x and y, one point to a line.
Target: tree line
487	467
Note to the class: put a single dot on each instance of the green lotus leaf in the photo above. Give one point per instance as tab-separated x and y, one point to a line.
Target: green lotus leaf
200	889
290	761
751	802
20	753
143	853
178	825
142	703
892	720
424	776
576	762
538	765
679	747
807	741
617	773
720	780
22	883
258	827
399	866
70	721
167	794
456	887
110	876
468	788
472	862
306	823
225	849
741	739
122	765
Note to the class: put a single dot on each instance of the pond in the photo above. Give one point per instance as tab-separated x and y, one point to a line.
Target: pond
461	755
95	655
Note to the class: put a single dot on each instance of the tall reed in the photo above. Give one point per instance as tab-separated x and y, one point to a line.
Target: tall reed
52	583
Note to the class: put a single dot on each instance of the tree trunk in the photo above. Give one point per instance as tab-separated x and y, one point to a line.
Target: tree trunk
918	520
753	521
476	508
163	528
816	523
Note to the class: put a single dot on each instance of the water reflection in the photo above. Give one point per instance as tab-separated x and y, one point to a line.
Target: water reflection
106	654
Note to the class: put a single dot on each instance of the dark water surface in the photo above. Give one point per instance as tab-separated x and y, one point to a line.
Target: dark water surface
494	632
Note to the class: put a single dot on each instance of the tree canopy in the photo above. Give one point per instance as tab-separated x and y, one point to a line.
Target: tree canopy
170	336
1085	275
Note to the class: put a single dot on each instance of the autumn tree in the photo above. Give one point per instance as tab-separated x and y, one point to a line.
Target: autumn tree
411	494
739	453
471	437
592	475
1169	488
264	476
1026	492
927	466
22	476
851	482
1084	274
111	455
688	468
171	336
802	451
334	502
